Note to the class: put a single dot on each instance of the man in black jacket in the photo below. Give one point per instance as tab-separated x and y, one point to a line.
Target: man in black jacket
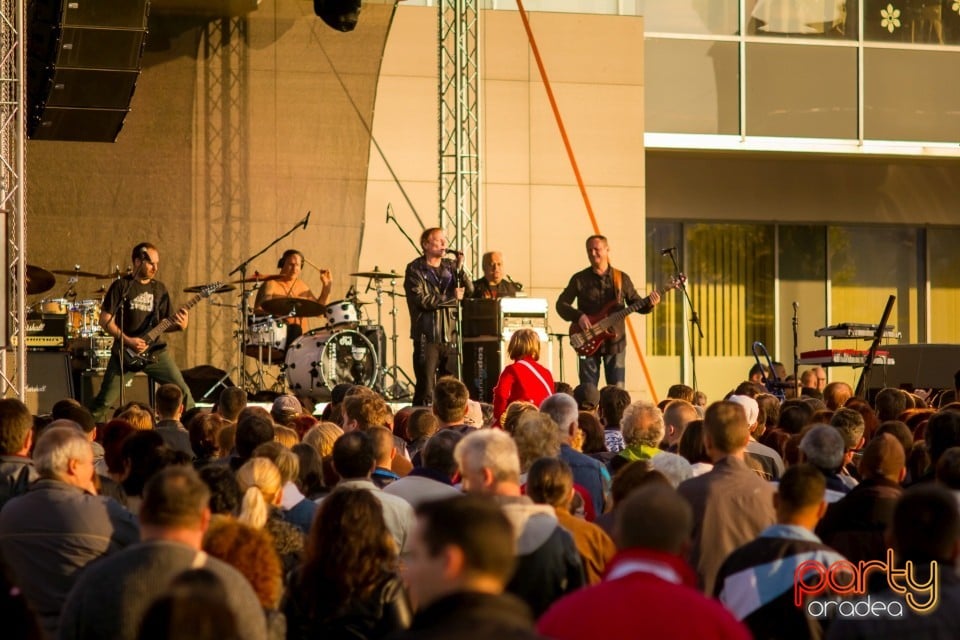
16	437
460	558
434	287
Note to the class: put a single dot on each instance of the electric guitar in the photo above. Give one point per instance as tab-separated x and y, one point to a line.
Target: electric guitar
134	361
602	323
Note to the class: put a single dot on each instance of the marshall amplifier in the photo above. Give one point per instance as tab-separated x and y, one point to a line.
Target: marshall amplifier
45	332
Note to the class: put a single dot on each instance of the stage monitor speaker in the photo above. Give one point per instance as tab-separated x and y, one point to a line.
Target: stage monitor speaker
917	366
481	367
137	388
83	56
49	380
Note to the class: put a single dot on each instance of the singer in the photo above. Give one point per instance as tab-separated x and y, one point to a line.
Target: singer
493	285
599	290
133	305
289	285
434	286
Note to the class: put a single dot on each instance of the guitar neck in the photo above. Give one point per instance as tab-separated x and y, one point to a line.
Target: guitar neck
166	323
617	316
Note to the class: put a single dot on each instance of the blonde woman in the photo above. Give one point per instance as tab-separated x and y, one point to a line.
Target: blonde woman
262	488
525	379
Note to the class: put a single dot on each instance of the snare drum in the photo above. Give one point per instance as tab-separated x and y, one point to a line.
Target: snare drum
84	319
341	313
320	360
266	338
55	306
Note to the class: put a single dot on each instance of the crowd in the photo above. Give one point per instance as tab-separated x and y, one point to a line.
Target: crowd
587	514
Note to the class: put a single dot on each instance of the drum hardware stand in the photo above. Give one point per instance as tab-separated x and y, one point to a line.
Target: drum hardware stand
400	389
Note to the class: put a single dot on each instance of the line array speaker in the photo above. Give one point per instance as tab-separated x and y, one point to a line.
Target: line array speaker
82	67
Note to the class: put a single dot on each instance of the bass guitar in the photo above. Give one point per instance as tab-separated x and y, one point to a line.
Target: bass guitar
603	323
134	361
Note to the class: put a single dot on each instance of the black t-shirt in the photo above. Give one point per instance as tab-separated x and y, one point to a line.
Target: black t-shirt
144	305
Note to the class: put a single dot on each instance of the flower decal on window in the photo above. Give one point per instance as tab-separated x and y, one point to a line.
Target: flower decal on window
890	18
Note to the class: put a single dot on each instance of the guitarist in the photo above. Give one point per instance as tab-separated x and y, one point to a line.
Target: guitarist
138	302
594	289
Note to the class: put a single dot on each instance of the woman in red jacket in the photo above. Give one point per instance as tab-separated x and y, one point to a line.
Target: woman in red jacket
525	379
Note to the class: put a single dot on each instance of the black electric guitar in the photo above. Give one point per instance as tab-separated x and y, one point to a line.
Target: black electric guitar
602	323
133	361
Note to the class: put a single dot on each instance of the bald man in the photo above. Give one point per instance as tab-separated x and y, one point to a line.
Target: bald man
493	285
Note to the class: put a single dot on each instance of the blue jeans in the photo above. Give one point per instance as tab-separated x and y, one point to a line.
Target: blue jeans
614	369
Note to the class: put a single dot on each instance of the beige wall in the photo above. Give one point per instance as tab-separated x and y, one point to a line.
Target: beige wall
531	207
225	149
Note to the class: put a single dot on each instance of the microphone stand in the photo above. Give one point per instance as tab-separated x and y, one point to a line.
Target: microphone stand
694	318
459	316
393	218
796	351
244	305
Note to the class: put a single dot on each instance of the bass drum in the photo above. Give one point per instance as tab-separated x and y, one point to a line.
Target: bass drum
318	361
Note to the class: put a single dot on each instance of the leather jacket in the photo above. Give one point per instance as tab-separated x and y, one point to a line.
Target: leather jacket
432	299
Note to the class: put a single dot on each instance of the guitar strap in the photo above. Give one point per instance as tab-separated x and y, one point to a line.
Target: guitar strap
536	373
617	284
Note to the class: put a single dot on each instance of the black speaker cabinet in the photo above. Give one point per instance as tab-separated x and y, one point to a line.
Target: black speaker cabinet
480	318
481	367
82	67
137	388
49	379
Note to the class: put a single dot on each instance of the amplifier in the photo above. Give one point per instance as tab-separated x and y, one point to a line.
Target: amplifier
44	332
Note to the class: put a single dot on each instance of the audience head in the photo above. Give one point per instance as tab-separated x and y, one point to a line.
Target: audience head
16	428
613	402
800	496
285	408
725	428
642	424
459	544
195	605
513	413
836	394
139	416
224	489
562	409
175	499
587	397
850	425
365	410
943	432
322	437
654	517
674	467
794	416
353	456
524	343
926	525
168	401
680	392
823	447
488	461
251	552
890	403
231	402
422	424
310	478
536	436
285	460
883	457
593	440
252	431
438	452
204	431
691	445
550	482
262	487
450	400
65	454
676	416
633	476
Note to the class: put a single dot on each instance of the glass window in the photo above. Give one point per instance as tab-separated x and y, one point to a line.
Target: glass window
911	95
944	285
801	91
803	279
867	265
912	21
835	19
692	86
731	281
691	16
665	326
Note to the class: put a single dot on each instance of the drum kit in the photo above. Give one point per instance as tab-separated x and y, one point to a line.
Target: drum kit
350	348
87	342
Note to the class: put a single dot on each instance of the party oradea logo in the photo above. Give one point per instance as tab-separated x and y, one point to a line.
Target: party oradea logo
840	590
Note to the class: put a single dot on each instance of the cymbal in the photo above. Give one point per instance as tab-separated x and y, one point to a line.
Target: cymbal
85	274
198	288
39	280
257	277
301	307
376	274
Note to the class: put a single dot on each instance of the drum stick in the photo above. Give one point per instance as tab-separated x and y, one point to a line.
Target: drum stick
313	265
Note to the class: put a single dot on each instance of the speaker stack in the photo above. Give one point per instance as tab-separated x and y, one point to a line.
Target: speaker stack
82	67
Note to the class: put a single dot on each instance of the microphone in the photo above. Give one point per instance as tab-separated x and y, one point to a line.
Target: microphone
454	252
514	283
306	220
796	307
667	251
389	212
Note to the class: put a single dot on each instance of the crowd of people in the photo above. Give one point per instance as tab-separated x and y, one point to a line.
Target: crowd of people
585	514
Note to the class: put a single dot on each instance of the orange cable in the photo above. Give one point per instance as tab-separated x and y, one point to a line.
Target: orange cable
576	173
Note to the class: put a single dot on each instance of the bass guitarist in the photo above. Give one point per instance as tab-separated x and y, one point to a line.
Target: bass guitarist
133	305
599	289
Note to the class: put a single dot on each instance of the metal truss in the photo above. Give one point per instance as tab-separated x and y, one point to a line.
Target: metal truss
459	26
224	212
13	86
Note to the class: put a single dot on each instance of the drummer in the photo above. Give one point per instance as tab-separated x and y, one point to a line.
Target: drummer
289	285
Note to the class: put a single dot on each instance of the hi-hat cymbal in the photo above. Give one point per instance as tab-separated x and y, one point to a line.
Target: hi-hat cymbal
39	280
257	277
199	288
376	274
302	307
